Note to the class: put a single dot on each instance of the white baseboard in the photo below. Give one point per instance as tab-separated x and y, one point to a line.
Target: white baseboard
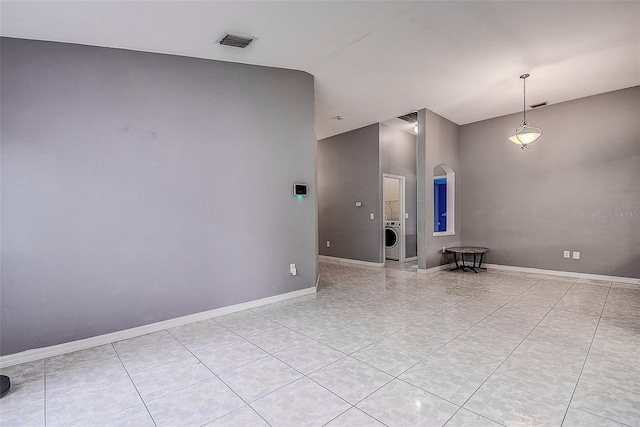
411	259
630	280
350	261
589	276
57	350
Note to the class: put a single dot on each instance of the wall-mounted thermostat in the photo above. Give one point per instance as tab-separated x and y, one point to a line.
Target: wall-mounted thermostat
300	190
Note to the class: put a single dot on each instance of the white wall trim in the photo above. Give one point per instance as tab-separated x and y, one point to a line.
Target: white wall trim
630	280
411	259
350	261
56	350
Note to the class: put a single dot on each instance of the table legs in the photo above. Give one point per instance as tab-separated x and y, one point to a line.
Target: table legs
461	265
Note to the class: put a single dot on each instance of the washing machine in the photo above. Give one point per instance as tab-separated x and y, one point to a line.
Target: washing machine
392	240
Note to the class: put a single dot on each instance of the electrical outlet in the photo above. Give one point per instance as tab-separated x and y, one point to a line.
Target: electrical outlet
567	254
372	216
292	269
328	244
576	255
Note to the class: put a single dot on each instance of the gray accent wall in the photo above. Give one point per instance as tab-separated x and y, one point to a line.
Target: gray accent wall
442	146
349	172
576	189
398	157
140	187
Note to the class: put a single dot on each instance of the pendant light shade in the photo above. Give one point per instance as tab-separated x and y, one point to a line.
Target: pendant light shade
525	133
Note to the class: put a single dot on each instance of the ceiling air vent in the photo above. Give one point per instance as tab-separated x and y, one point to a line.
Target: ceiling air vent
410	118
236	41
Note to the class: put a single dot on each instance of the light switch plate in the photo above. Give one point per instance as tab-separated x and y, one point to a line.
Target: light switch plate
576	255
372	216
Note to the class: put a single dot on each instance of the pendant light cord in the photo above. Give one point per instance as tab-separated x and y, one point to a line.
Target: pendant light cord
524	100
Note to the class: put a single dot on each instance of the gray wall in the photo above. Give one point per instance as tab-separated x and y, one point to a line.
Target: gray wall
442	146
349	171
398	157
140	187
577	188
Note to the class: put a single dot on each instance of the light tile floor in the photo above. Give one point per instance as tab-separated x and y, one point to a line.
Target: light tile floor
373	347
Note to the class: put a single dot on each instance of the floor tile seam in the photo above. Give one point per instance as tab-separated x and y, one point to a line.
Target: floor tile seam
431	393
91	385
44	389
467	330
174	390
619	308
393	333
134	384
584	313
105	414
368	395
252	334
344	356
615	386
146	369
337	416
550	399
431	353
236	394
624	364
599	416
247	405
353	405
235	367
634	317
199	382
473	412
306	336
267	394
526	392
221	347
423	319
287	347
22	407
509	355
595	331
357	409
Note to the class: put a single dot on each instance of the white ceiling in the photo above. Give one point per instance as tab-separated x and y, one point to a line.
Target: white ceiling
376	60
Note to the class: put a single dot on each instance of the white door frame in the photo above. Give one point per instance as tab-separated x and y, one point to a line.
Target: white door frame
403	240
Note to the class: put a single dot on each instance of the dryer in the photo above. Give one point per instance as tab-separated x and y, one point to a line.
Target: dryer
392	240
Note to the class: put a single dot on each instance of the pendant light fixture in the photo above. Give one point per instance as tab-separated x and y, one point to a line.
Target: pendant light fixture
525	134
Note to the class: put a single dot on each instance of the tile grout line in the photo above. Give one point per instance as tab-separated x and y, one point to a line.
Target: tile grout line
218	377
134	385
523	340
595	331
44	374
489	315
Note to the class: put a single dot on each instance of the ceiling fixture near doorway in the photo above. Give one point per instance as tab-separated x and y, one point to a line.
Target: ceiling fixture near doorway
411	118
525	134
